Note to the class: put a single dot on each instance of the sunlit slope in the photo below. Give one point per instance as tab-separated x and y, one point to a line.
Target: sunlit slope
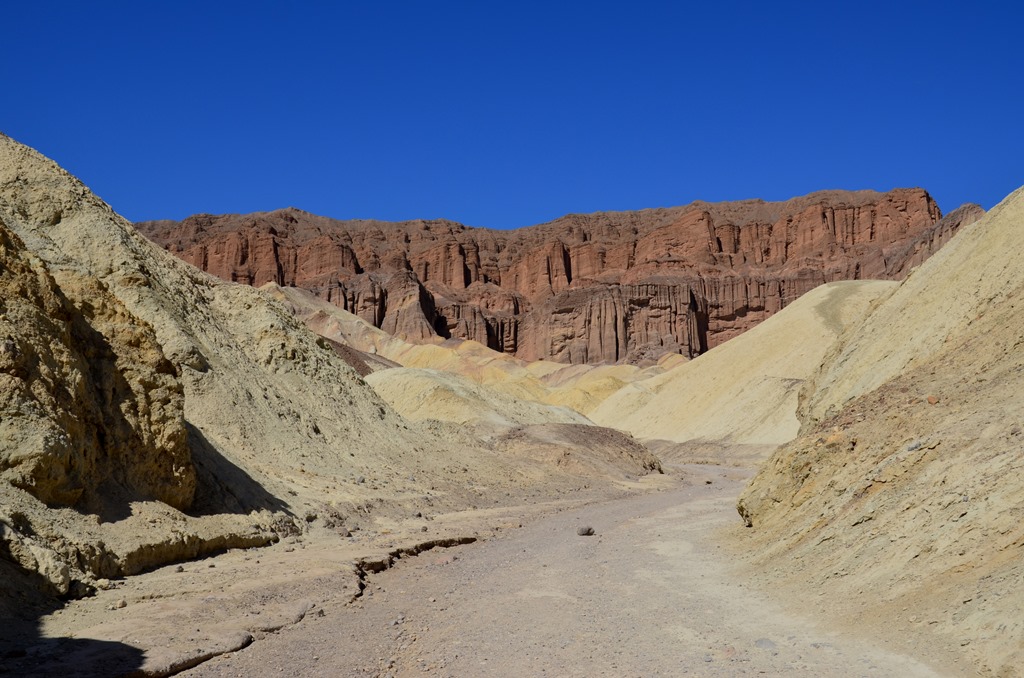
975	272
908	479
421	394
578	387
744	391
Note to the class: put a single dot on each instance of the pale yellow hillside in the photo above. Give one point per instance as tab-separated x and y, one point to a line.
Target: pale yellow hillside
424	394
903	502
744	391
977	270
579	387
585	387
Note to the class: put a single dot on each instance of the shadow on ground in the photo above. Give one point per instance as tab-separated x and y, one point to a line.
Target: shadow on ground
24	600
223	487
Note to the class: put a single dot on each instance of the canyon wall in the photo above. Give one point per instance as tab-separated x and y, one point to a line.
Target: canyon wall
596	288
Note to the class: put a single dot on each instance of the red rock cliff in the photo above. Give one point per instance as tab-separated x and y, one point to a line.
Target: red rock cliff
604	287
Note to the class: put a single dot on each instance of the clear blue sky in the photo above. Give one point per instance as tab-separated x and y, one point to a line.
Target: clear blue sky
506	114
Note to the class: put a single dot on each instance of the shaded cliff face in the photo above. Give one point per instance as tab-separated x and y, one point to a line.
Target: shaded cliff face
604	287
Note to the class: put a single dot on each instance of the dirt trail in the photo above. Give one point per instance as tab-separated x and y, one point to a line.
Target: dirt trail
649	594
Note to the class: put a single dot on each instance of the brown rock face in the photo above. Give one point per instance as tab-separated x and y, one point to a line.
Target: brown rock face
604	287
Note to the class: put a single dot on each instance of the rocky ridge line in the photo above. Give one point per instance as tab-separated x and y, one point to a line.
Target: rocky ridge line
597	288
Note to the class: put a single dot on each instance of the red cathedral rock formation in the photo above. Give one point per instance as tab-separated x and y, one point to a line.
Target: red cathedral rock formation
585	288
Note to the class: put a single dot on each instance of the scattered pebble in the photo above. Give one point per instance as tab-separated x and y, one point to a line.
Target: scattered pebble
585	531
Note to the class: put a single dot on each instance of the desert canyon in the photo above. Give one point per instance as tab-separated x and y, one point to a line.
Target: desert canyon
743	438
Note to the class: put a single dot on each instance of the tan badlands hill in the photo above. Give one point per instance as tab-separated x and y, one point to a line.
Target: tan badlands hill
744	391
424	394
741	393
903	495
600	288
578	387
151	413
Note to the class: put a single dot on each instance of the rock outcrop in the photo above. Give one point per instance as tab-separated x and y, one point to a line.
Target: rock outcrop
151	413
598	288
89	405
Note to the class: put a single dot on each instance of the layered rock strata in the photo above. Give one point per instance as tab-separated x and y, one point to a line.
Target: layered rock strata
598	288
